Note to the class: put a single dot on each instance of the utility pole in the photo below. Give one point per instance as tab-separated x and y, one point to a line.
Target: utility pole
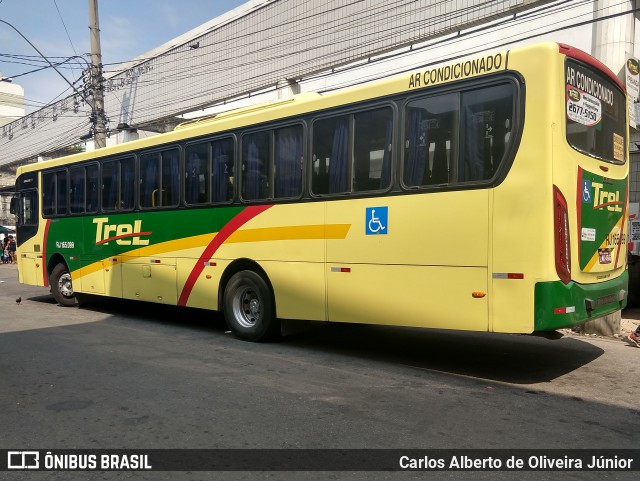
100	130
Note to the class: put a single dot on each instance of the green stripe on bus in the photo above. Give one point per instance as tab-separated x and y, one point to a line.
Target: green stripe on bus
550	297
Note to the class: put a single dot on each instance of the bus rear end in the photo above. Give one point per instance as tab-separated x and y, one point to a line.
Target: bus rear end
590	198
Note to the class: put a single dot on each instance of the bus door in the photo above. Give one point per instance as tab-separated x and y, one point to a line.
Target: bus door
29	254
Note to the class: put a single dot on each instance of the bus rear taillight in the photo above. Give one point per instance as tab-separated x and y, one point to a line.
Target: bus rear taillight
561	236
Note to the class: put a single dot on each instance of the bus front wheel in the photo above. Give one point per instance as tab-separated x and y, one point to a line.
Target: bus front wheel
61	286
249	307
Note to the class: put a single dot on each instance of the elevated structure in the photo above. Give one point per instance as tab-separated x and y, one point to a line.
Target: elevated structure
251	48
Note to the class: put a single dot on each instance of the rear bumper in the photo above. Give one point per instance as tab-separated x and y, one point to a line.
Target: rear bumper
560	305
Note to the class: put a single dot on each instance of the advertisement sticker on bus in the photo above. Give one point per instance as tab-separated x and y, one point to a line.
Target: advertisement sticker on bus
582	107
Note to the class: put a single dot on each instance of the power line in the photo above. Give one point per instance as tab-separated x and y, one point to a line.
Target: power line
226	54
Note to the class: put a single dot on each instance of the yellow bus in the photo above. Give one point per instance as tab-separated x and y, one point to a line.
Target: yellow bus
483	194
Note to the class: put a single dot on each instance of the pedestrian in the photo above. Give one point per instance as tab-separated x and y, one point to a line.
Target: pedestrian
5	250
12	250
634	337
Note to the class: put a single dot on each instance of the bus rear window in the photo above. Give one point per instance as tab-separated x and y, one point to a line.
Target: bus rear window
595	113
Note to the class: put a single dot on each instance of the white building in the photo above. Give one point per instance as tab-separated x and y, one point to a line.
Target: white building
11	101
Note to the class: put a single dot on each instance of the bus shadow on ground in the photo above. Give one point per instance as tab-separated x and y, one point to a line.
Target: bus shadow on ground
510	358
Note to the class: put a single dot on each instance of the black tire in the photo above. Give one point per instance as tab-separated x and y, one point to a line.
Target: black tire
249	308
61	286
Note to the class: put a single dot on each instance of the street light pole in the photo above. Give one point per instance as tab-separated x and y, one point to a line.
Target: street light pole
100	131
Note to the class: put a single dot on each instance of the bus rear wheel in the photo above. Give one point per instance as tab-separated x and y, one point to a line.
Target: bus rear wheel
249	307
61	286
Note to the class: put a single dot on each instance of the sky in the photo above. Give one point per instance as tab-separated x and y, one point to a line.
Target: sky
128	28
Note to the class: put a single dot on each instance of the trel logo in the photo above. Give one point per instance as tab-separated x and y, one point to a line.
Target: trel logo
122	234
602	199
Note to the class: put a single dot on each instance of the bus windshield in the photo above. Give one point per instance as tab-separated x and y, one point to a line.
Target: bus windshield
596	113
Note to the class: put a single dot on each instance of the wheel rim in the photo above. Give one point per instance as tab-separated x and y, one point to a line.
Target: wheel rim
247	306
64	285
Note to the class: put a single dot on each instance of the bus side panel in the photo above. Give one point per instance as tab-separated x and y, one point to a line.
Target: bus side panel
91	279
299	288
522	209
145	280
522	241
419	266
418	296
288	242
30	268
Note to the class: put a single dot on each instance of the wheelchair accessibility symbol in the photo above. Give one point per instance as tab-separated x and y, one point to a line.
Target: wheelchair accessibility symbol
586	192
377	220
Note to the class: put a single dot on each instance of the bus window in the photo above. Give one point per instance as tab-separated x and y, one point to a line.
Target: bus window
93	184
118	184
109	185
256	151
488	114
49	193
160	179
596	117
127	184
330	155
54	193
196	175
61	193
77	190
372	150
27	209
431	138
288	162
150	180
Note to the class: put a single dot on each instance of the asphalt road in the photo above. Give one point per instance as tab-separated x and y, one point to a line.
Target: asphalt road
117	374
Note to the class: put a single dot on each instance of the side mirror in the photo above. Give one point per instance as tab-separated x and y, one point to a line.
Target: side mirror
13	207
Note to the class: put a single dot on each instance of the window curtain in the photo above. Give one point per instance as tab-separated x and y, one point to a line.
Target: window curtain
440	170
498	145
150	182
193	178
110	197
128	184
61	192
339	158
473	165
288	163
418	137
220	175
385	176
170	178
49	195
77	191
252	189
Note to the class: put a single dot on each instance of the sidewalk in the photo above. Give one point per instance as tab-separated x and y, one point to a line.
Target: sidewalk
630	320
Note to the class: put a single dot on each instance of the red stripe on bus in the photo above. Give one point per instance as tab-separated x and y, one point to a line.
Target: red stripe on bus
617	202
229	228
592	61
45	277
624	217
